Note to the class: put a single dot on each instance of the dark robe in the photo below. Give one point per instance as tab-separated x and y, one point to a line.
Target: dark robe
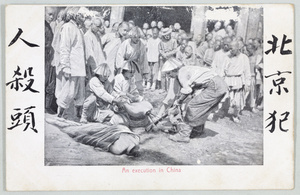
50	74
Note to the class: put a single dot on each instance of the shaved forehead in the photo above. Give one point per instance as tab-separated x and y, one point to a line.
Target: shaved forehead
234	44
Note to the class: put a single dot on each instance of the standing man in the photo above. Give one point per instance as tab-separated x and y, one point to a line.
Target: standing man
112	42
238	79
50	74
152	54
218	31
93	47
72	63
189	58
134	51
221	58
167	49
201	49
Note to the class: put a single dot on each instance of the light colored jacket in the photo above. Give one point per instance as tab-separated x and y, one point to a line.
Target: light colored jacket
72	59
93	50
133	52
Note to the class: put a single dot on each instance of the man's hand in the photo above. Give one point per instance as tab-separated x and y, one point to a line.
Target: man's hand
67	75
66	72
246	88
135	98
177	102
120	102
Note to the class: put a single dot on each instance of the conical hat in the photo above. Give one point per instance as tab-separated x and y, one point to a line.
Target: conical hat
103	69
171	64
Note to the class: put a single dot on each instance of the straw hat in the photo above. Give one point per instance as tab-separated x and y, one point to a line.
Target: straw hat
166	31
171	64
103	69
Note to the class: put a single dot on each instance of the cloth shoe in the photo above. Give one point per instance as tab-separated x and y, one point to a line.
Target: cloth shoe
197	131
184	132
260	107
254	110
236	119
148	85
60	112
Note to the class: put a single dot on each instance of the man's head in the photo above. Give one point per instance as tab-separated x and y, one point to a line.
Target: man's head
102	72
123	29
166	33
160	25
145	26
106	23
49	14
183	44
115	27
217	45
155	32
235	50
228	29
81	16
131	24
226	43
96	25
172	27
60	15
250	49
177	26
188	51
217	26
198	39
153	24
257	43
209	37
179	39
128	70
134	35
87	23
211	44
241	45
173	73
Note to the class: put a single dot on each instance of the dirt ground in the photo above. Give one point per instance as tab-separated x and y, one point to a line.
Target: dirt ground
223	142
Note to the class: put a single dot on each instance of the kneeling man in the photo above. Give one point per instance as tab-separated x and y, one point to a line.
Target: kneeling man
97	106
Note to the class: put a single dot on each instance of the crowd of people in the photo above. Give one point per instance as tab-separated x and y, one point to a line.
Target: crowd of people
94	64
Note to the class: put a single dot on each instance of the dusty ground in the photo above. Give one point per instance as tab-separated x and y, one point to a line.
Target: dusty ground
222	143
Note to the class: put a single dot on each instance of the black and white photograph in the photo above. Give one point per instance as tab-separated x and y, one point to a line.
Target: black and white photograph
154	85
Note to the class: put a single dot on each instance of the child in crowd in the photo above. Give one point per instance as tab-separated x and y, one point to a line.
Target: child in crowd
153	54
